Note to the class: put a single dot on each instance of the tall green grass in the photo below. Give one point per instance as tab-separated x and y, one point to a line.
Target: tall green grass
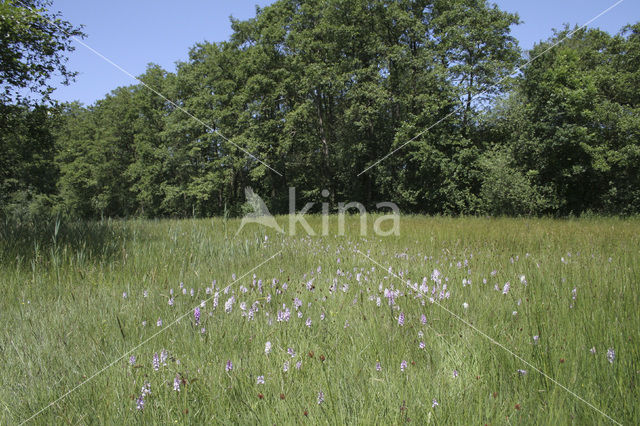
64	319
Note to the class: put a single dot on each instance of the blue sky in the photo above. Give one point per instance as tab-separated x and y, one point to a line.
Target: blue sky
134	33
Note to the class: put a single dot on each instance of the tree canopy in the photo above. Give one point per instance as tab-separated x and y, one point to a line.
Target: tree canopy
320	90
34	44
33	47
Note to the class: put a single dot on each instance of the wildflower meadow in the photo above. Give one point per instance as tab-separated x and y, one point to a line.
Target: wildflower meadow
466	320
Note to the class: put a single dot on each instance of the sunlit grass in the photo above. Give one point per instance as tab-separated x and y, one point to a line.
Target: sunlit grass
65	318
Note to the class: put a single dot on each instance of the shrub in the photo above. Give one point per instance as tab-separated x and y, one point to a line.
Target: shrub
506	190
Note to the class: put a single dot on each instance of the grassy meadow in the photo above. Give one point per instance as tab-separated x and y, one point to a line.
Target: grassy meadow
307	329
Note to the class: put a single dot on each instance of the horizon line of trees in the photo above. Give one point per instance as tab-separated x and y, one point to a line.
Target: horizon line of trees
320	91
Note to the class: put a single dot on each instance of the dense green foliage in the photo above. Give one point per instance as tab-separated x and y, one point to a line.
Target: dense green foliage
572	126
318	91
33	47
28	175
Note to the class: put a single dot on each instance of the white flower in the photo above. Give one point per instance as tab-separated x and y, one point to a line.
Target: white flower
611	355
228	305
